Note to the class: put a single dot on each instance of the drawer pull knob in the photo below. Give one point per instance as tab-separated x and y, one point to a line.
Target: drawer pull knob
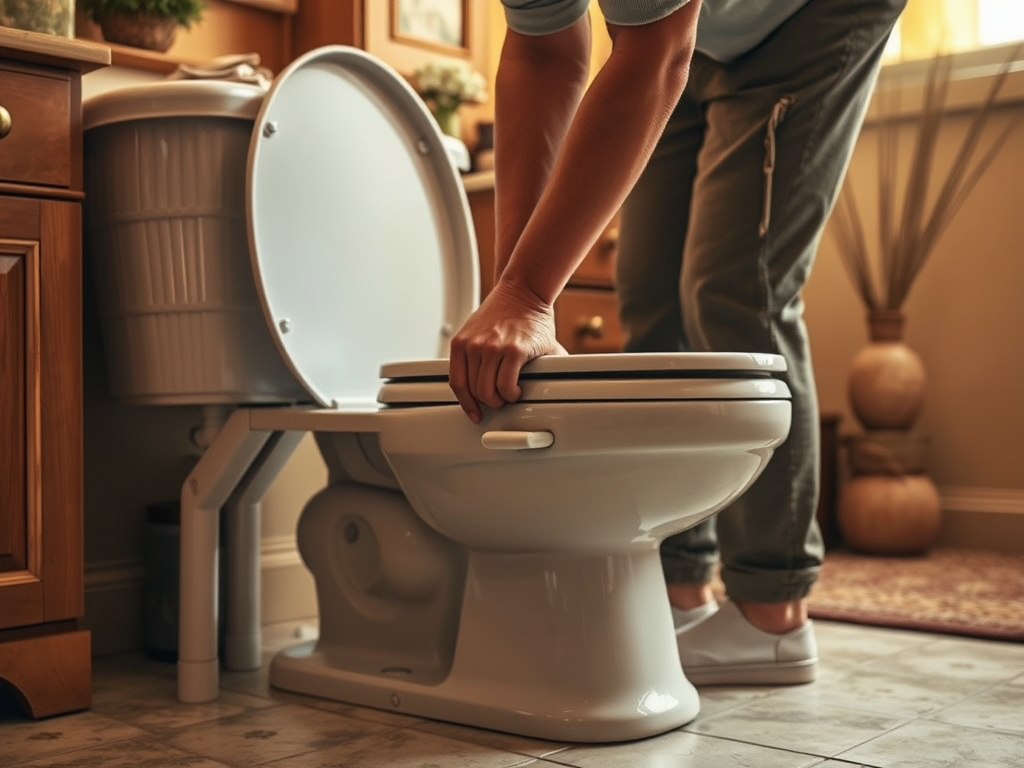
6	123
592	327
608	244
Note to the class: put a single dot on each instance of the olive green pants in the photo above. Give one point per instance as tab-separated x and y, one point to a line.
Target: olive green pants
717	240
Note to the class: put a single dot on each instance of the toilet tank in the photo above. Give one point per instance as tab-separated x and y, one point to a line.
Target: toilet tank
166	238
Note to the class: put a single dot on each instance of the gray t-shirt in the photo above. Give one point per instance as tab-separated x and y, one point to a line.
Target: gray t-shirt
726	29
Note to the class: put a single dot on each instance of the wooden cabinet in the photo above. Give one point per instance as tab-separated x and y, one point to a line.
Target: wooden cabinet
586	313
44	654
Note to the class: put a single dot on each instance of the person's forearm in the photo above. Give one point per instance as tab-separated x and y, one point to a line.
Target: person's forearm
539	84
611	138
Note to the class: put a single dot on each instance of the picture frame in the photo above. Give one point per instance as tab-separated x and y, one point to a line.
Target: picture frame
406	45
437	25
277	6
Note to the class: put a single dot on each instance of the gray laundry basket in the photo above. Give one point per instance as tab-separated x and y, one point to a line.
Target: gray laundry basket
166	236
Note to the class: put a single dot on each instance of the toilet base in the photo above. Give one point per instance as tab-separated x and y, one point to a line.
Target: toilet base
567	647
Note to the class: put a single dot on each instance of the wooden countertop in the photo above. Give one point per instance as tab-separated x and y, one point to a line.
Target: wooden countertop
52	50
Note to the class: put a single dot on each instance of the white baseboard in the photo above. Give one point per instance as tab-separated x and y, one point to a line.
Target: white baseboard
113	606
982	518
957	498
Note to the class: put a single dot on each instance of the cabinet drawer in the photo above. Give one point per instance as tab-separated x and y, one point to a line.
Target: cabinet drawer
598	268
588	321
37	148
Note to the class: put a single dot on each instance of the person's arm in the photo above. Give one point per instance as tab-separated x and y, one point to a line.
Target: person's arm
616	127
559	199
539	85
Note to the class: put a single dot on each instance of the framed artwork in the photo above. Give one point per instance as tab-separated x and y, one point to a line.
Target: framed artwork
435	24
407	33
279	6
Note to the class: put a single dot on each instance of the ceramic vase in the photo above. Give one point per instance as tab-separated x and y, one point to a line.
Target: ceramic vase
886	382
139	30
448	121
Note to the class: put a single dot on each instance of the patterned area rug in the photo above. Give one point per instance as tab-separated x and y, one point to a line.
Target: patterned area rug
951	591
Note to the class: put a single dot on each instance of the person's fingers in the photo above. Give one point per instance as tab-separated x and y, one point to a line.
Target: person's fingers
458	380
507	377
485	362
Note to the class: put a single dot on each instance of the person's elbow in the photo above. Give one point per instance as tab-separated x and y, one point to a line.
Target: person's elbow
565	53
662	49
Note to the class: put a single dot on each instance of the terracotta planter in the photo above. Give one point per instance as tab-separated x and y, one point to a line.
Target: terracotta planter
886	382
139	30
889	514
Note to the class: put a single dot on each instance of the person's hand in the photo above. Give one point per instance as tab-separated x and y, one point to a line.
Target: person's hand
510	328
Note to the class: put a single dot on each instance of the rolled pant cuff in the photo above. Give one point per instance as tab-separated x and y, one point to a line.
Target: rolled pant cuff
689	573
778	587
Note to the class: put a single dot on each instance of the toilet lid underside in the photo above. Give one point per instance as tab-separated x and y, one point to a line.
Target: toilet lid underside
360	237
611	377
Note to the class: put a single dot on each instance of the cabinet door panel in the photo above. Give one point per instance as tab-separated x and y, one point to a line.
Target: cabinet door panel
41	437
14	489
20	502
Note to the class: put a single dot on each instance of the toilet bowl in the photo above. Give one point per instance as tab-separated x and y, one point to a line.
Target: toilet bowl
502	574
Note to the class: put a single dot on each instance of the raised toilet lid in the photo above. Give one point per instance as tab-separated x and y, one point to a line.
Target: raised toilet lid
641	376
360	236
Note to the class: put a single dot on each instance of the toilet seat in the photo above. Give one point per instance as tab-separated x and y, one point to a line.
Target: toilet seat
606	377
360	235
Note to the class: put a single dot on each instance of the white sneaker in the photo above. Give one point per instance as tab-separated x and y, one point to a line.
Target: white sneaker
726	649
684	618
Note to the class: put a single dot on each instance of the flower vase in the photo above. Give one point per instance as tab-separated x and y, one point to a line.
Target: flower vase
448	121
886	381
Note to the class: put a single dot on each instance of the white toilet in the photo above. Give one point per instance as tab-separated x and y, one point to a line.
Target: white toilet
503	575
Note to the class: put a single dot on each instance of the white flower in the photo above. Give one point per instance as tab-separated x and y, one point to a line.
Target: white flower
448	83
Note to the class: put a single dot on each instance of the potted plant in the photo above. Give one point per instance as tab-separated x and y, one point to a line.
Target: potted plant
150	24
445	85
53	17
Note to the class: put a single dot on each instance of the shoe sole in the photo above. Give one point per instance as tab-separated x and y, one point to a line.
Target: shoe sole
776	673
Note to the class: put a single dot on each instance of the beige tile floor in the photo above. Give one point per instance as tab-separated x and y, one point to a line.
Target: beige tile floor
885	698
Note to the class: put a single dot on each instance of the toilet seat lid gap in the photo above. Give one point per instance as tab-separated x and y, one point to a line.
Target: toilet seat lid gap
633	365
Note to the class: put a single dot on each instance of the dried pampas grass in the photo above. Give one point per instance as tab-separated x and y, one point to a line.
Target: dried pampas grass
911	220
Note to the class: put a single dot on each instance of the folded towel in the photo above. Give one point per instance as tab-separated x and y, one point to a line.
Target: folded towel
235	67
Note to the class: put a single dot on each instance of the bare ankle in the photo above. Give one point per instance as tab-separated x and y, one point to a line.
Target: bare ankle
776	618
687	596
